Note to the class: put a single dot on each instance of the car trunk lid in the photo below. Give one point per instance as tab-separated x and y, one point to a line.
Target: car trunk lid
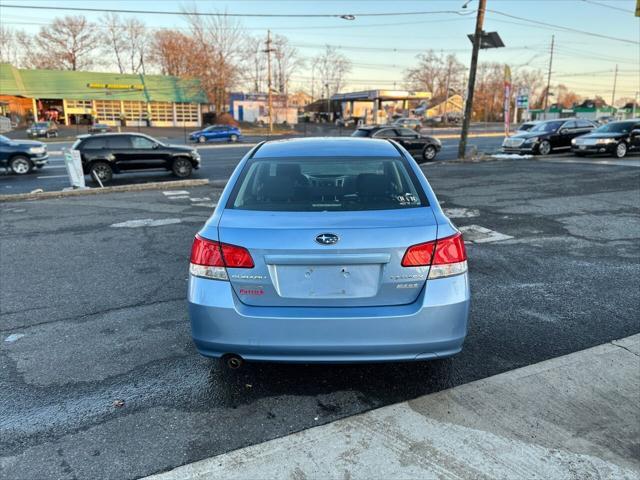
295	267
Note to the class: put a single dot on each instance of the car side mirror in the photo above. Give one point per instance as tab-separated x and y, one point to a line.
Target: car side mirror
156	146
635	133
563	131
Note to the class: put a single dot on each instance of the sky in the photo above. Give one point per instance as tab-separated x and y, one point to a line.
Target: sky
383	47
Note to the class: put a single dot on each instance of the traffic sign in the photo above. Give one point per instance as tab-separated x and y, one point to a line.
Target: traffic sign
522	101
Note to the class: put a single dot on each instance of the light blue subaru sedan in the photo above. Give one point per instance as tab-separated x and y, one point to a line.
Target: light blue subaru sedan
329	250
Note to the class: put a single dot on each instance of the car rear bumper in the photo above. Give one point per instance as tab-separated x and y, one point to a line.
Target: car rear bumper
434	326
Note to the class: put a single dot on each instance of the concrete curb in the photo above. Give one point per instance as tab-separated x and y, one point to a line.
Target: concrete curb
572	417
136	187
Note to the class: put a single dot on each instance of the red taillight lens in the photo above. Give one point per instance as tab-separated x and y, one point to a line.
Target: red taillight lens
418	255
446	250
450	250
206	252
236	257
215	254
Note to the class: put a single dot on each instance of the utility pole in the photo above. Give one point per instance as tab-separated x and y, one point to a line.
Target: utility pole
468	107
268	51
615	80
546	94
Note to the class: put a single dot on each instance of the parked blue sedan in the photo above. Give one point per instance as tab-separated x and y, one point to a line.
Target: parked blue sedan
227	133
328	250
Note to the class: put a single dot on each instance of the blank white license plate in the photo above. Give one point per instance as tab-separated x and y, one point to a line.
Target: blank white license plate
328	281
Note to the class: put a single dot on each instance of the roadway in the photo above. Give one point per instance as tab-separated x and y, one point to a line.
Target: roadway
218	162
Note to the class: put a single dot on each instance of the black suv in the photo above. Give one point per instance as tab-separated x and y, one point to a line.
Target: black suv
548	136
615	138
417	144
105	154
22	156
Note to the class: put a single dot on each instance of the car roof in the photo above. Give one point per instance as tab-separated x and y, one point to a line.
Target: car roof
327	147
376	127
116	134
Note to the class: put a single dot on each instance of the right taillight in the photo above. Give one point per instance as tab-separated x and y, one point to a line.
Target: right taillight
209	258
447	256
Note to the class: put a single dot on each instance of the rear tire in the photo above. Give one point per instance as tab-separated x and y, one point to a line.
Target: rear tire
102	170
233	138
429	153
621	150
182	167
21	165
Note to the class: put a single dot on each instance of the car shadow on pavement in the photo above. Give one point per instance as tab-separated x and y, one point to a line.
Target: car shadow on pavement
374	384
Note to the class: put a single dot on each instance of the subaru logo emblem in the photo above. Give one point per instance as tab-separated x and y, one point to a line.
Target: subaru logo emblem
327	238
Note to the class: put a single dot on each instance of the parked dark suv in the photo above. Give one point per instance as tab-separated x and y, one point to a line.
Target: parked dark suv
105	154
548	136
22	156
423	145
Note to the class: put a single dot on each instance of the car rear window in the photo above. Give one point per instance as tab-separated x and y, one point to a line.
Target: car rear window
313	184
361	132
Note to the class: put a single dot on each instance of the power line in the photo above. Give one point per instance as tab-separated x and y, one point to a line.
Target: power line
251	15
560	27
608	6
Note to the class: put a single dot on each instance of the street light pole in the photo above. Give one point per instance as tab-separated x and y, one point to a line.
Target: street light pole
468	107
270	100
546	93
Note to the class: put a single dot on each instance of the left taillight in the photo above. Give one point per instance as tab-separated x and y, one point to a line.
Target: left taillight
447	256
209	258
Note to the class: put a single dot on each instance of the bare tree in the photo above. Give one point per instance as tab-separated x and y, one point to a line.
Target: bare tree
128	41
256	61
174	53
332	68
66	44
8	46
114	41
436	73
287	61
219	47
137	44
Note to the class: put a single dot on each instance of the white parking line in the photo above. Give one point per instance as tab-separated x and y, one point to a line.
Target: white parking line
478	234
146	222
170	193
54	176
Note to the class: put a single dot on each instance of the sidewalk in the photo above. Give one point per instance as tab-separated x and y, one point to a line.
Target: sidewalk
572	417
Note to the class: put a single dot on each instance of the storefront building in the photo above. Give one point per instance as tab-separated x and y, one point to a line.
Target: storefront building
78	98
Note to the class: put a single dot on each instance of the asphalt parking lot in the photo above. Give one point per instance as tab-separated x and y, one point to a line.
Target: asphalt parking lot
98	376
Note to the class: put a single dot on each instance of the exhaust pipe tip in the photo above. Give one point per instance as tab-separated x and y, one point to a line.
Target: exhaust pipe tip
233	362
